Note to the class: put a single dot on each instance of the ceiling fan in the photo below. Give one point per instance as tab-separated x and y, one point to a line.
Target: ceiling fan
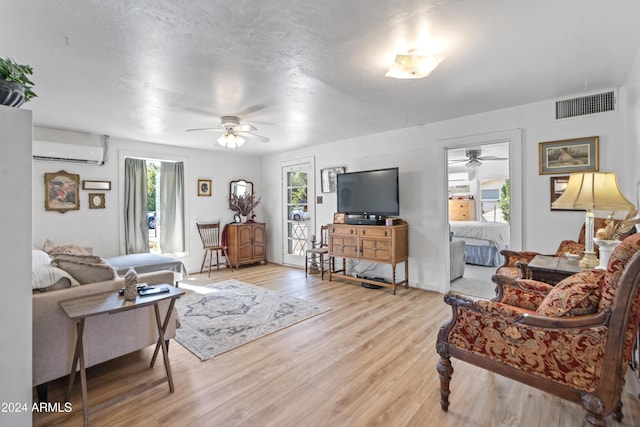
474	158
233	132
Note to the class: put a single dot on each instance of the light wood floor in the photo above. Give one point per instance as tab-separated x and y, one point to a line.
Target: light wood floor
370	361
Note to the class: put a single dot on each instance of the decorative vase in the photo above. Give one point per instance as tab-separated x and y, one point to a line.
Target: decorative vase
130	285
11	93
605	247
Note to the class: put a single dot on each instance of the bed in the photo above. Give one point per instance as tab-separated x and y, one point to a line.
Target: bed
146	263
483	241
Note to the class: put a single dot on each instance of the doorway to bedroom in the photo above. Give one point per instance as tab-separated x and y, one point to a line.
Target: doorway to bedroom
479	206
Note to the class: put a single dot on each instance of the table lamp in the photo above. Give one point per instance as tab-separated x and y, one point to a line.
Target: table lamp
592	191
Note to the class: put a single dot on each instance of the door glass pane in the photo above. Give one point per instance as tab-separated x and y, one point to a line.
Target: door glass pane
297	213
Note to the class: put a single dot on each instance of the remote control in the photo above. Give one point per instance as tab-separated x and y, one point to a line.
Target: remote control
154	291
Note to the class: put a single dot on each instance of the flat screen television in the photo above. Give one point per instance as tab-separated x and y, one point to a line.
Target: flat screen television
369	193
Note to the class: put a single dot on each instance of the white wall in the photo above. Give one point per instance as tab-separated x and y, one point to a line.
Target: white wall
632	131
15	256
100	228
419	152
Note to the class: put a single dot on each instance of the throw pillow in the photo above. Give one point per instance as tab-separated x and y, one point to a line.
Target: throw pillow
571	298
39	258
51	247
49	278
85	268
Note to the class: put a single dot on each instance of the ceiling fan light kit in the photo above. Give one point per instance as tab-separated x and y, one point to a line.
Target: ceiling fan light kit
229	140
413	65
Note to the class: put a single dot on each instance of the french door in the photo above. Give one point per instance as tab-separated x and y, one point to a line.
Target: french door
298	211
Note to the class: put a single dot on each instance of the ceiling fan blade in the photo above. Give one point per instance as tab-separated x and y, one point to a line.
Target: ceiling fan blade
244	128
457	161
253	136
492	158
207	130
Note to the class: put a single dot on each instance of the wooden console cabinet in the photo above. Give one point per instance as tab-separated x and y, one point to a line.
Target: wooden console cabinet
373	243
246	244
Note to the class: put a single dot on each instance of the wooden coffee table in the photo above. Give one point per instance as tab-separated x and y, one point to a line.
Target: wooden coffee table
79	309
552	269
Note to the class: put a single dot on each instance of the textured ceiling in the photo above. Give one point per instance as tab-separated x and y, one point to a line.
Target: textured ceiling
305	72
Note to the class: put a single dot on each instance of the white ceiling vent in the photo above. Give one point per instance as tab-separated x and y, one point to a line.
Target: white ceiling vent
584	105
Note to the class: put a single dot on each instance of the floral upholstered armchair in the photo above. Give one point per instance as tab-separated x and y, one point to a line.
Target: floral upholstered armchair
515	263
573	340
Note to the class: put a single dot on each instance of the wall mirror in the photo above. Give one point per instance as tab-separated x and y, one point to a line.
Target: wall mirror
240	187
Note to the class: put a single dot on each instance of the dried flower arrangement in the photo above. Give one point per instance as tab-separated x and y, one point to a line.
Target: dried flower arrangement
243	204
616	229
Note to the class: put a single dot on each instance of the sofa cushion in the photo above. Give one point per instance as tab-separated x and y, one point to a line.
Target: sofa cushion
46	278
85	268
571	298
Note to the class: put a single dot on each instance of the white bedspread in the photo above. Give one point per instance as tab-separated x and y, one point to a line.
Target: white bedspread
495	232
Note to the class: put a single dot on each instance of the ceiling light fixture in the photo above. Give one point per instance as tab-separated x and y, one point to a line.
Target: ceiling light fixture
413	65
230	140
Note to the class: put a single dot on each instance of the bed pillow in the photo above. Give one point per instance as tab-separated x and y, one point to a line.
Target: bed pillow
47	278
85	268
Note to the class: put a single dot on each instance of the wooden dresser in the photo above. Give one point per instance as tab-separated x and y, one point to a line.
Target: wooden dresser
246	244
462	209
373	243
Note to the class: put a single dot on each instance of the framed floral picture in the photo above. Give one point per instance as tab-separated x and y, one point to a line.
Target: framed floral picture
61	191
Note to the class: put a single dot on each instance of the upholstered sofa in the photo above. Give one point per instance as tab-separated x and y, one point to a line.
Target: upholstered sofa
105	337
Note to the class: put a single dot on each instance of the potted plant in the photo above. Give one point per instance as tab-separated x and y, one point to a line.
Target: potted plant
243	204
15	86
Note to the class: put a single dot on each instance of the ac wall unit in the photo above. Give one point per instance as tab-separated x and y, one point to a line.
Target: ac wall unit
60	152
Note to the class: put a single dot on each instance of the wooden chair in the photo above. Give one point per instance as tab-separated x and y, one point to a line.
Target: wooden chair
574	340
320	250
210	236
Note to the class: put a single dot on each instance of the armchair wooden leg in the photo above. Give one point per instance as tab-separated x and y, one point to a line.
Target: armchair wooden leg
594	407
617	413
445	371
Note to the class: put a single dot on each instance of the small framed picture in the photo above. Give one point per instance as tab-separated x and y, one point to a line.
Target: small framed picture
329	179
61	191
568	156
96	201
204	187
338	218
96	185
558	185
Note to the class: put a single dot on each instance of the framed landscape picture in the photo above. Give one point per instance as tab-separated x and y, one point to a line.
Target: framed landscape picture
61	191
568	156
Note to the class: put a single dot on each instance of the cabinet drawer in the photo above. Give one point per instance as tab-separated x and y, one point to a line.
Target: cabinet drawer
376	232
349	231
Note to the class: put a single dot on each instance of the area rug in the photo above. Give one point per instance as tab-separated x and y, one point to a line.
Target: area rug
221	316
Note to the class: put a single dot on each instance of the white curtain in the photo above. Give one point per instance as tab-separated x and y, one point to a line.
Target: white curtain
171	194
136	226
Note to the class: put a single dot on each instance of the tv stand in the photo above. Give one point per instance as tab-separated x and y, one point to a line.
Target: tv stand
373	243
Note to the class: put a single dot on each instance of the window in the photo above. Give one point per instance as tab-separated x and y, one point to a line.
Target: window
154	206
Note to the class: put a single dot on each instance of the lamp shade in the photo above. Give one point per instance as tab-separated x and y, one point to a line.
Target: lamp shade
413	65
229	140
593	191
